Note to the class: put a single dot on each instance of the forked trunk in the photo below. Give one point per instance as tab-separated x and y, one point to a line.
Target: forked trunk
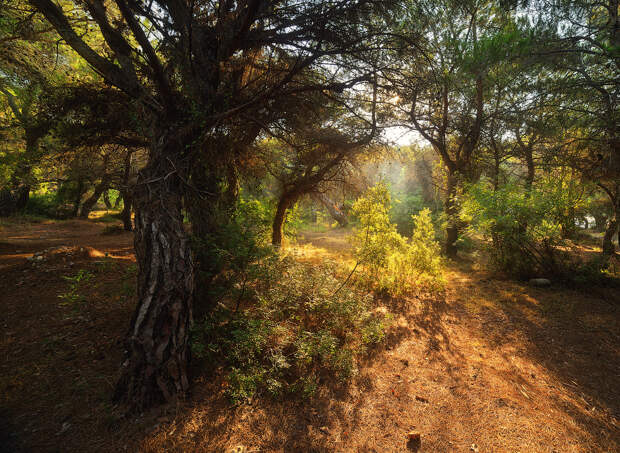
91	201
157	344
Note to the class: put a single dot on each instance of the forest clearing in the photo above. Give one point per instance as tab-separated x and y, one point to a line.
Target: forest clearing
310	226
491	363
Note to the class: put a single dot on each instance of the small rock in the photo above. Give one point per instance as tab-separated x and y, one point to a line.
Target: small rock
474	448
421	399
540	282
324	429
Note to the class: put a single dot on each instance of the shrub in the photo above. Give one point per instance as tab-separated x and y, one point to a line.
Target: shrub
42	205
389	261
299	326
525	229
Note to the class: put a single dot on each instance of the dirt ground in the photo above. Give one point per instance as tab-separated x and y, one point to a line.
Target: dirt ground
489	365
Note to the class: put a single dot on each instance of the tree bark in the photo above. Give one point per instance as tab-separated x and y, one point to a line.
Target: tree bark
334	211
451	206
284	203
125	193
157	344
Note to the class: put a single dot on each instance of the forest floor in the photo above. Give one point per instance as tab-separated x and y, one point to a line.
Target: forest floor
489	364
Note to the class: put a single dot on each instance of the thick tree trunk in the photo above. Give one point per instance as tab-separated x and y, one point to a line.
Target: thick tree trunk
90	202
157	344
125	194
284	203
451	207
334	211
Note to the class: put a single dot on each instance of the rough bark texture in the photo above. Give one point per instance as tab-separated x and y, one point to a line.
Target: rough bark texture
334	211
157	344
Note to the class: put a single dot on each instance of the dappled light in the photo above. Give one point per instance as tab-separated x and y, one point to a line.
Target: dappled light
309	226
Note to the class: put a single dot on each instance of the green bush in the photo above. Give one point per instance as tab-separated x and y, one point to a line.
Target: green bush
389	261
42	205
525	229
299	326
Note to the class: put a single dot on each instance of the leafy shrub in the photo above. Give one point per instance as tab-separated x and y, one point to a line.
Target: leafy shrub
390	262
525	229
299	326
43	205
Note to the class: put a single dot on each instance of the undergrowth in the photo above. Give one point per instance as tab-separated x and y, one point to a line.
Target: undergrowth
390	262
293	328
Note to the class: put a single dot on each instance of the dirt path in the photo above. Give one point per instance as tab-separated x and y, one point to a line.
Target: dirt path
489	365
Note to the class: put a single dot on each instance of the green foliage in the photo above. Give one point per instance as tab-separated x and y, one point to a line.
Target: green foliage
525	229
299	325
390	262
404	207
72	296
43	205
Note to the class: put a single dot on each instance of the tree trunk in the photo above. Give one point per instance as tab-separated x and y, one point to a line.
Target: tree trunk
125	193
284	203
90	202
157	344
126	212
78	198
531	169
332	208
451	206
117	202
106	199
612	225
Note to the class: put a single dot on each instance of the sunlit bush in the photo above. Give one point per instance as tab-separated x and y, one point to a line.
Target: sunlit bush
299	326
525	229
388	260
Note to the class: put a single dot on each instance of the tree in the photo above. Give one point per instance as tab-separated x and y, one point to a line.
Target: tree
189	73
584	56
